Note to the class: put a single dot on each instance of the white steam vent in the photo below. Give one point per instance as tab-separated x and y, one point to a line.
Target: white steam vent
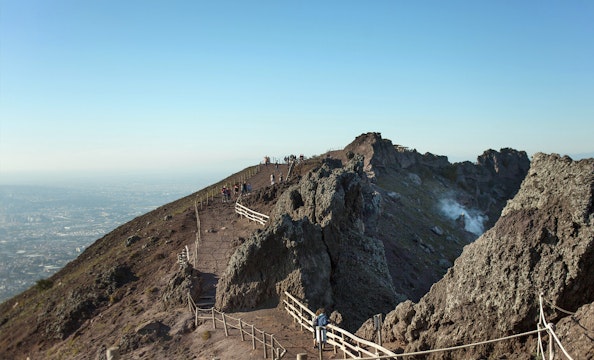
473	219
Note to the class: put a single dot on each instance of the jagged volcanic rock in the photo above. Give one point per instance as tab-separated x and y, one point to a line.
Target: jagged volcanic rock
422	199
543	243
577	332
317	247
329	236
186	280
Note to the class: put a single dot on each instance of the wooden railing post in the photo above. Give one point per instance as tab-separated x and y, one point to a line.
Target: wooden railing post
253	338
264	343
300	316
214	320
333	337
225	324
241	331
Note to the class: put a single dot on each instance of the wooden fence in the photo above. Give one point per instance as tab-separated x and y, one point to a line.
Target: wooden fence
340	339
270	346
250	214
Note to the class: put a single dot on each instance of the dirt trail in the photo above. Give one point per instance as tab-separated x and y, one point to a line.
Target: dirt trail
221	230
218	234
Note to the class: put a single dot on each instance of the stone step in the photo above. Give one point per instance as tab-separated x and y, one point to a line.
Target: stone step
205	305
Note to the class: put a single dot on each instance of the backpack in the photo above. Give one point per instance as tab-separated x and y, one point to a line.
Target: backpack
322	320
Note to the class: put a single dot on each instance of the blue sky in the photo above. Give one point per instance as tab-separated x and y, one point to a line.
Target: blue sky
204	86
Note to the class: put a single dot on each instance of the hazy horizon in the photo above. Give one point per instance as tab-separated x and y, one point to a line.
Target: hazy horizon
196	178
78	179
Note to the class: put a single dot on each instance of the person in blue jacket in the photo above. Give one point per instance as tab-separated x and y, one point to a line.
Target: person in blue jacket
320	320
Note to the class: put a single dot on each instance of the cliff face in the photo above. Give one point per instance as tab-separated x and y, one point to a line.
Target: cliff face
430	208
485	185
494	179
543	243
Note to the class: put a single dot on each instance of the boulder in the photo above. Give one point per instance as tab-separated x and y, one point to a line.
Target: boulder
576	332
186	280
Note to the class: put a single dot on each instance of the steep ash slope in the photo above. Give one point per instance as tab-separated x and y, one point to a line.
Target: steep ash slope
125	290
543	242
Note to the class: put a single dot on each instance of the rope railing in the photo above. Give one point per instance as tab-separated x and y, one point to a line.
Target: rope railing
458	347
549	327
351	346
556	307
270	345
542	326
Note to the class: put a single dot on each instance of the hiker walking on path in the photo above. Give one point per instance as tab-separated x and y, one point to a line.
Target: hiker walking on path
319	323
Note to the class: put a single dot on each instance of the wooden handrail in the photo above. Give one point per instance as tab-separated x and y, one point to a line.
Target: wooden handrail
250	214
351	345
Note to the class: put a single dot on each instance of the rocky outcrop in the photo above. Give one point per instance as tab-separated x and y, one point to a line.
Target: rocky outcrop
431	208
319	247
485	185
492	180
543	243
186	281
380	154
366	224
577	332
